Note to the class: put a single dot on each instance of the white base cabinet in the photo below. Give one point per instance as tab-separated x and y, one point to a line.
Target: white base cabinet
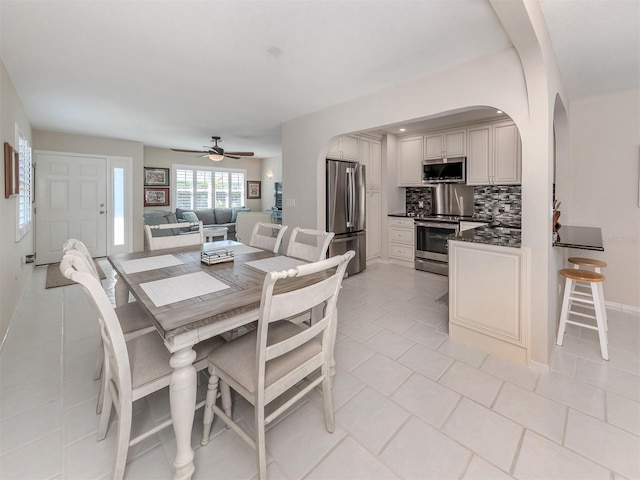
487	298
401	241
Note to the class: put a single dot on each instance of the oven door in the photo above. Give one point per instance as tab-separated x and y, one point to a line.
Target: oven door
432	240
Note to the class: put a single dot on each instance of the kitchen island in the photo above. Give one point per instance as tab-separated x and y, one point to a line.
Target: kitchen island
488	273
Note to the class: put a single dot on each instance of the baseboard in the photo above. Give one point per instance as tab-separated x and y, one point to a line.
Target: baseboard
622	307
538	367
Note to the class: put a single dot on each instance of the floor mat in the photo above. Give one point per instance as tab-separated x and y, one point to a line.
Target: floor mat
55	278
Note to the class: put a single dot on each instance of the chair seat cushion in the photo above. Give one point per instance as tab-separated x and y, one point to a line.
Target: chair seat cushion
133	317
237	358
149	358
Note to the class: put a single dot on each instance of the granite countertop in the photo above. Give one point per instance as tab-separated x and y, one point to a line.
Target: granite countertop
496	236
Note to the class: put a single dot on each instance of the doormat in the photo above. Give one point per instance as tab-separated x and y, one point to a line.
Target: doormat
443	299
55	278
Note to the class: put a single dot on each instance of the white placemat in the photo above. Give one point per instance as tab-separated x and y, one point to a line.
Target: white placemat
150	263
243	249
175	289
276	264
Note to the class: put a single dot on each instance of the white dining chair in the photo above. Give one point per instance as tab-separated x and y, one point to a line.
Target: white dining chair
178	239
245	221
264	364
267	236
133	319
309	245
133	368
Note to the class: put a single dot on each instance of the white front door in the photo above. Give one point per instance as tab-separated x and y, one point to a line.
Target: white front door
71	201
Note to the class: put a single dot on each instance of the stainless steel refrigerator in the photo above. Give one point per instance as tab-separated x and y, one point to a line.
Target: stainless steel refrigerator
346	211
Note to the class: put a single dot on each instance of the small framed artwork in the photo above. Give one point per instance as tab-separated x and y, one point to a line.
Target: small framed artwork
156	197
253	189
156	177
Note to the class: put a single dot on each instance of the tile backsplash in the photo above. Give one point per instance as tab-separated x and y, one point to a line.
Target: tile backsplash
498	204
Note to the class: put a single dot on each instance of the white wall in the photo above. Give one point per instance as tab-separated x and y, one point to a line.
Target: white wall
14	273
272	165
603	186
65	142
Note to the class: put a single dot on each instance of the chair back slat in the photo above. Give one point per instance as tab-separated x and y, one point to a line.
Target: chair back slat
76	245
267	236
195	237
309	245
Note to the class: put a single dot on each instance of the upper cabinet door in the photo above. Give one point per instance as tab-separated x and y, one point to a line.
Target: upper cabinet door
479	155
433	146
445	144
410	162
344	148
371	157
506	154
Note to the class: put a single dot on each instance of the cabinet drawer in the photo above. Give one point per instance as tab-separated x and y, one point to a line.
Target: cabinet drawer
401	222
399	235
402	252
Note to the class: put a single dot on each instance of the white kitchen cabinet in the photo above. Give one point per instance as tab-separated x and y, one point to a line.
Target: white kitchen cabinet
370	155
344	148
374	223
410	161
466	225
401	240
507	153
445	144
493	154
487	298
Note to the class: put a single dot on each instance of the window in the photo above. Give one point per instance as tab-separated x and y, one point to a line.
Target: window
23	205
200	187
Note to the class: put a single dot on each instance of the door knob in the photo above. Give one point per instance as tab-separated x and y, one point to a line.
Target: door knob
101	212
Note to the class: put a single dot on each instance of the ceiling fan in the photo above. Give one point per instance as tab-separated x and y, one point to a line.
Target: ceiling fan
216	153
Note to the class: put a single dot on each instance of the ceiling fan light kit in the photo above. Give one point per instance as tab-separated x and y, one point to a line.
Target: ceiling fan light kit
216	153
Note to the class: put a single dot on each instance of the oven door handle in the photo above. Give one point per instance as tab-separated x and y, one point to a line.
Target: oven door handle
450	226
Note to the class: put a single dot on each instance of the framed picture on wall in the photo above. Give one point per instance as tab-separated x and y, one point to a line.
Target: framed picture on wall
253	189
156	197
156	177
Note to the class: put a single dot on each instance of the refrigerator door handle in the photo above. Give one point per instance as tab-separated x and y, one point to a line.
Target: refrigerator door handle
349	193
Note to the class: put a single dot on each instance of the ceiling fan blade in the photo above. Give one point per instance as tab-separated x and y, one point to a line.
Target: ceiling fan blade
242	154
231	156
187	151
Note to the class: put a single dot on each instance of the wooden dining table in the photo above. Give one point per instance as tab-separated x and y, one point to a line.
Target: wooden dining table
186	322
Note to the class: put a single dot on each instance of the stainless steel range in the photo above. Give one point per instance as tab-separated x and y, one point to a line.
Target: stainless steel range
450	204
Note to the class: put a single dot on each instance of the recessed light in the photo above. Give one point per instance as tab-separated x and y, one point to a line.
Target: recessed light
403	129
499	111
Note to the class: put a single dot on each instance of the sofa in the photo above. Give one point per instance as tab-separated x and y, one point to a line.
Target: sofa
210	217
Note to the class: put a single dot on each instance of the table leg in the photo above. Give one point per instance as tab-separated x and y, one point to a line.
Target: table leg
182	397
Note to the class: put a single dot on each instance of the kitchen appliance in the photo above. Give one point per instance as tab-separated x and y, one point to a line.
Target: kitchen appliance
450	203
346	211
444	170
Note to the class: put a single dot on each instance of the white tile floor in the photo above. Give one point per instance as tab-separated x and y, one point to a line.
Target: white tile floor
409	402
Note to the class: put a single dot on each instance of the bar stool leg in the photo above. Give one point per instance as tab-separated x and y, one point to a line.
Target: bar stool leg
600	319
564	313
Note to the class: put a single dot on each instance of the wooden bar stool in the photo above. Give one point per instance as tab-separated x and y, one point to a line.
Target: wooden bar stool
579	262
593	299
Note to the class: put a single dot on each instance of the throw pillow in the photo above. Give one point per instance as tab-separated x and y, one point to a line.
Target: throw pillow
234	212
190	217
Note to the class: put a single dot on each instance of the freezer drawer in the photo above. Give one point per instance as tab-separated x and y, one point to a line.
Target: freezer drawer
356	242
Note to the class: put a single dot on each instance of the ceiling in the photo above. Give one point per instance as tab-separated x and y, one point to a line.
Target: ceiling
174	73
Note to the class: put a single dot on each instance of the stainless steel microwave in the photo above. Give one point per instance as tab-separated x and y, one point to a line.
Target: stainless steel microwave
444	170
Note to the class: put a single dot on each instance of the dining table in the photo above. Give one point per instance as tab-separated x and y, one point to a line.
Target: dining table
190	301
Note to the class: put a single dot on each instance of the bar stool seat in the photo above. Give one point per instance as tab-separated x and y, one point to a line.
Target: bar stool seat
591	299
587	262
